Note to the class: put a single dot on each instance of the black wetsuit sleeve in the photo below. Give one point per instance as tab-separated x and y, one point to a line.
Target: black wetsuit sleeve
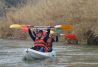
47	35
31	35
34	33
57	39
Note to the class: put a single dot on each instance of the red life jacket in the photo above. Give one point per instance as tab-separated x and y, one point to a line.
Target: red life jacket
39	42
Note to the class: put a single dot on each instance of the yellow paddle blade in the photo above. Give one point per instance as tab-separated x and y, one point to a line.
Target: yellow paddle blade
16	26
67	27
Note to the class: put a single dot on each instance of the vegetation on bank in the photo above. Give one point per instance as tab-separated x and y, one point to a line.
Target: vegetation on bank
83	14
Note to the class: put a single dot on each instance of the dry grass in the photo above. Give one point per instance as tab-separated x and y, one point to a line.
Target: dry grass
83	14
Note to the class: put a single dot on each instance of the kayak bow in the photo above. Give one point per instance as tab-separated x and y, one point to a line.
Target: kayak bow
33	54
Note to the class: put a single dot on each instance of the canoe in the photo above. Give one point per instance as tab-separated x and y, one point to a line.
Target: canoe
33	54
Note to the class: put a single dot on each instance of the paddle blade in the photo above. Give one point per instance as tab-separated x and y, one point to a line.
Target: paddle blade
67	27
16	26
24	29
58	26
71	36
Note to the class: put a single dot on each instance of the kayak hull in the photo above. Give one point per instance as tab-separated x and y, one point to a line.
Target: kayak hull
33	54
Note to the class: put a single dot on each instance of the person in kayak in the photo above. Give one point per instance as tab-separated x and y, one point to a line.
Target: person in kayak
50	41
39	40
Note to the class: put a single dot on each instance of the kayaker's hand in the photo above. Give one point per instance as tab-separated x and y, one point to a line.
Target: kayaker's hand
29	26
50	27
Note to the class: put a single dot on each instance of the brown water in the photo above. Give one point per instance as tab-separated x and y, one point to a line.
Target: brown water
11	54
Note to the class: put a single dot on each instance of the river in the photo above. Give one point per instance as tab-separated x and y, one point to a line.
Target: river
11	54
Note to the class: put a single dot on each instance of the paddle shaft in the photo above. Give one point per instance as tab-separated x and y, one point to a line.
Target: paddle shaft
40	26
63	27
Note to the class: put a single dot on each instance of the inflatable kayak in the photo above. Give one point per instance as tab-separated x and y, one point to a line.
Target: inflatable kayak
33	54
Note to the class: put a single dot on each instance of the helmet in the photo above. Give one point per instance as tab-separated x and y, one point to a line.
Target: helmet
52	32
40	31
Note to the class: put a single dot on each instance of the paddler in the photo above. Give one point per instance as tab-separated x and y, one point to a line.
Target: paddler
39	39
50	41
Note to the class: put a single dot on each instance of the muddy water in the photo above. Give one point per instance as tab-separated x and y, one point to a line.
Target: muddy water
11	54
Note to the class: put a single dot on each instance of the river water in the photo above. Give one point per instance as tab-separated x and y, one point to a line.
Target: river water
11	54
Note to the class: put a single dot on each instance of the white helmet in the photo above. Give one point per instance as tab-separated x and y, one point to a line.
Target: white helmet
52	32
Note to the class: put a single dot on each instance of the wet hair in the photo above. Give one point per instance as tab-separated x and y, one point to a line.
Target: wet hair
40	31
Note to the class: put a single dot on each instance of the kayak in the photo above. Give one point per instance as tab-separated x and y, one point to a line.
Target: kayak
33	54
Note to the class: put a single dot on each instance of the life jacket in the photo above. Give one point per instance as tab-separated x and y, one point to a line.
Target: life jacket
39	42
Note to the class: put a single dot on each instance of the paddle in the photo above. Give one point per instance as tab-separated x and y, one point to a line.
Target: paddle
63	27
70	36
19	26
66	27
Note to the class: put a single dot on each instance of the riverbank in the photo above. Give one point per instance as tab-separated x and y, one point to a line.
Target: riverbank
82	14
